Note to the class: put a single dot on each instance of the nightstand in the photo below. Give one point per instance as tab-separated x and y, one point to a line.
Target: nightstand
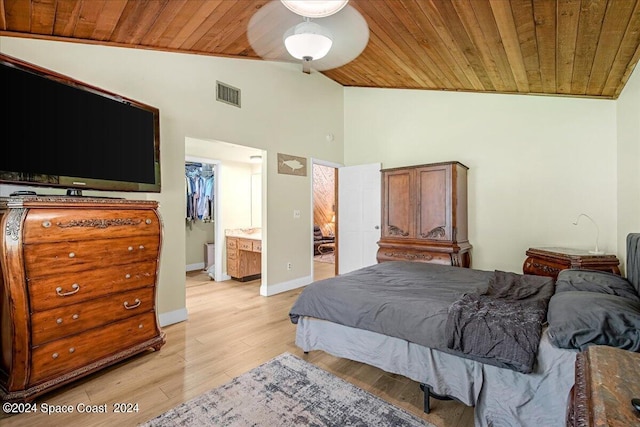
550	261
607	378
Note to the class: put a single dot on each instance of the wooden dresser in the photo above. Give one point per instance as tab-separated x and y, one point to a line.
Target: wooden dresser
424	214
607	378
550	261
78	287
244	258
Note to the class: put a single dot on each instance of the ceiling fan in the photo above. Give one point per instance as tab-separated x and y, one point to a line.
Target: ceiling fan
321	34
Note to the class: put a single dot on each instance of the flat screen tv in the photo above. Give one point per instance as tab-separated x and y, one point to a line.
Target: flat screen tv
60	132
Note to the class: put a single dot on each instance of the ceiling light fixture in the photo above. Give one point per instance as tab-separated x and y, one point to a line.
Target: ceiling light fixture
308	41
314	8
255	159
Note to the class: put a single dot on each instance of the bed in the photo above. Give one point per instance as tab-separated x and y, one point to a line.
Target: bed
453	330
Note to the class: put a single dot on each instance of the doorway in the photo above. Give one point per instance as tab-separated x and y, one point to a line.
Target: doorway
237	202
325	220
201	214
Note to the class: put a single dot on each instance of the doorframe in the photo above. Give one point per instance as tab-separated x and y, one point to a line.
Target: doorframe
218	233
336	166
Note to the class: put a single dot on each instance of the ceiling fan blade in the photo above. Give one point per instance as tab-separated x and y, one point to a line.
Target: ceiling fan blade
350	37
348	27
266	29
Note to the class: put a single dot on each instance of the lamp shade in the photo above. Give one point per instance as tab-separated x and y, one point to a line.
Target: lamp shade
308	40
314	8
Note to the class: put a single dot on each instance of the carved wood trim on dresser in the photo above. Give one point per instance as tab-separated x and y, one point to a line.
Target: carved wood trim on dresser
78	280
606	379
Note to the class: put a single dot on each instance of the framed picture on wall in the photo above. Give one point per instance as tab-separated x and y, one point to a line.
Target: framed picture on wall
292	165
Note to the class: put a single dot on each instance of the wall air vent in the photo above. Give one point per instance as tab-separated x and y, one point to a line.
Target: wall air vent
227	94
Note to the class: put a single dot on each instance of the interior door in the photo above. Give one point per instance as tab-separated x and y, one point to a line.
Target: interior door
358	216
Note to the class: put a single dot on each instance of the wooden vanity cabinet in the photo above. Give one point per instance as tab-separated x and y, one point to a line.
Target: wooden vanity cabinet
78	283
244	258
424	214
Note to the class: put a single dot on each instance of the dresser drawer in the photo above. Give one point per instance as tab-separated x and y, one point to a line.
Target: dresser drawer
232	243
44	293
67	257
53	225
68	354
245	245
402	254
59	322
257	246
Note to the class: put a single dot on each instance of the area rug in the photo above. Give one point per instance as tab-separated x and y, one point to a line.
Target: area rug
328	257
287	391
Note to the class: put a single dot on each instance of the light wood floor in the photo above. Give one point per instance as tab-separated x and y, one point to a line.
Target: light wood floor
231	329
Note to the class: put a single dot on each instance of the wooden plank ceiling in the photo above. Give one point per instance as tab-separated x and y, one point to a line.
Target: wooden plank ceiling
554	47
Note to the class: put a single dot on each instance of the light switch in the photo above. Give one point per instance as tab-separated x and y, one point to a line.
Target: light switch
296	214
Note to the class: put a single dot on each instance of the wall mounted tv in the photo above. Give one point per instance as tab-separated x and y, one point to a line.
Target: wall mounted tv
60	132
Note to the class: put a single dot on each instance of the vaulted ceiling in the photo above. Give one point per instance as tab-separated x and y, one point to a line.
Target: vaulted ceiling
552	47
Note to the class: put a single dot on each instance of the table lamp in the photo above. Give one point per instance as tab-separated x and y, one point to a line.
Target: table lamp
596	251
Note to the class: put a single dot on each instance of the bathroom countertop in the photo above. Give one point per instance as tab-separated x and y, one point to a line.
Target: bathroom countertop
244	233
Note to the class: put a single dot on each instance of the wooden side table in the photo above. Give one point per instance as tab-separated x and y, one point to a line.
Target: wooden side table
550	261
607	378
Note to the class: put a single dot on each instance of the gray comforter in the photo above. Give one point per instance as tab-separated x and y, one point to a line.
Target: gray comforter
400	299
501	326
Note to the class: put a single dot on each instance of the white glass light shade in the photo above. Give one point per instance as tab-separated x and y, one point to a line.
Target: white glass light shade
314	8
255	159
308	40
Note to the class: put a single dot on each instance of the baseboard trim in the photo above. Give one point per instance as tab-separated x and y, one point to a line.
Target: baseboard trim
197	266
172	317
278	288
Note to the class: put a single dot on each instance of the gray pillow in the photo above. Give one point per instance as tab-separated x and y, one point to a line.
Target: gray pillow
595	281
579	319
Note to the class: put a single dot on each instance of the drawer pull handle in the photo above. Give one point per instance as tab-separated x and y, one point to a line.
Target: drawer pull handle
59	320
140	326
130	248
141	247
127	276
46	224
75	287
72	350
136	303
72	255
54	355
75	317
148	221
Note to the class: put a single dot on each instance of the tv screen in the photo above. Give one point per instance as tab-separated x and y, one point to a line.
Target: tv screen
65	133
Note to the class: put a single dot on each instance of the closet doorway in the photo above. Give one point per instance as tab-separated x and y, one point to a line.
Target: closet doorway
237	203
201	216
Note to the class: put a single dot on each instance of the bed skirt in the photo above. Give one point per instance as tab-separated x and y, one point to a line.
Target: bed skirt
501	397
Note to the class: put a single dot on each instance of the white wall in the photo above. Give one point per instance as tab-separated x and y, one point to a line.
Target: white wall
535	162
628	114
197	234
283	110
